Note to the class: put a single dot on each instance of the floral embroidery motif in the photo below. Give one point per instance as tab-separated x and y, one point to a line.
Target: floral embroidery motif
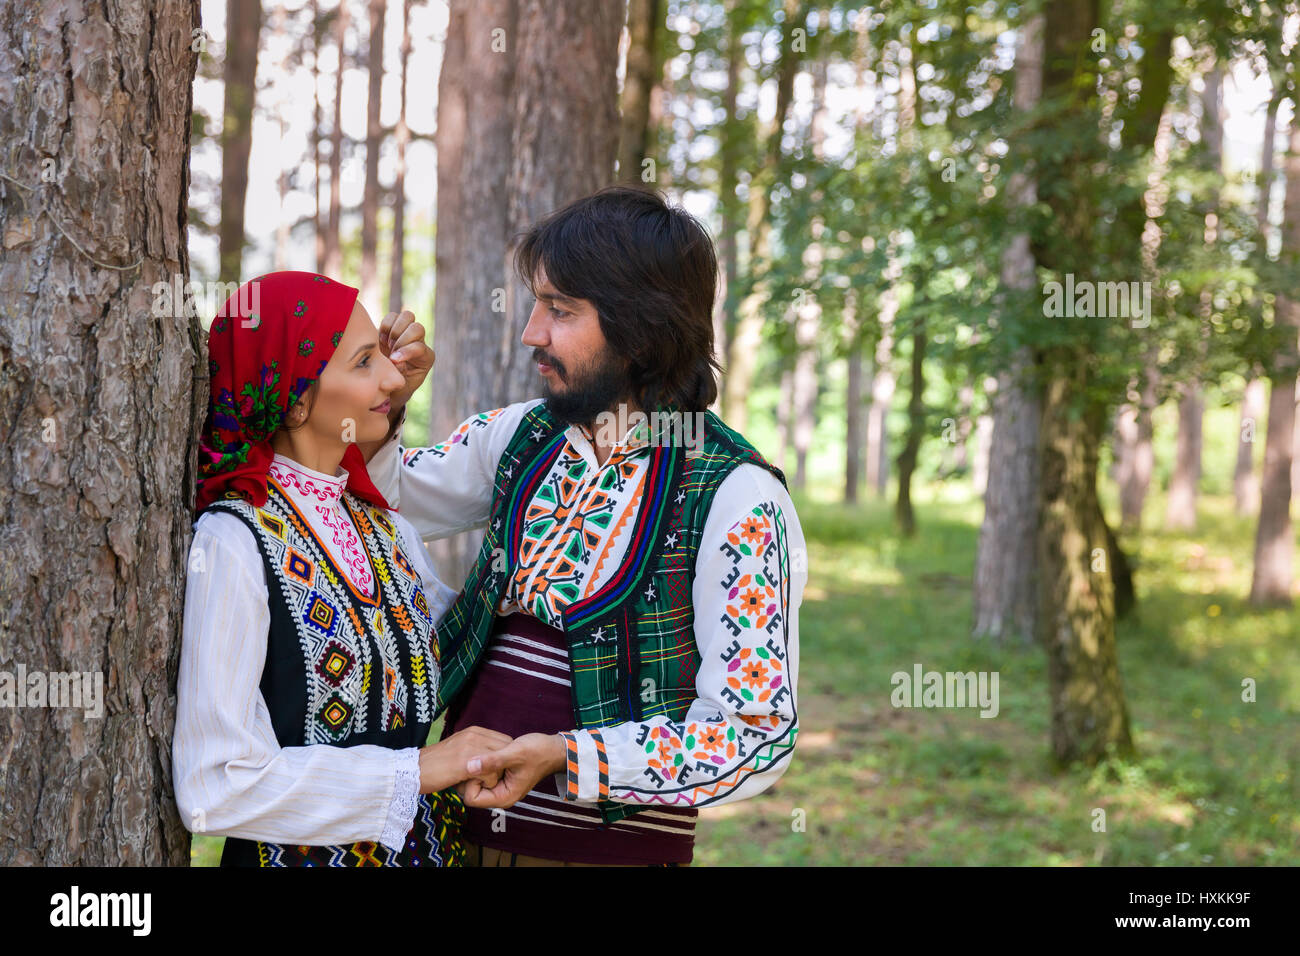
305	347
301	308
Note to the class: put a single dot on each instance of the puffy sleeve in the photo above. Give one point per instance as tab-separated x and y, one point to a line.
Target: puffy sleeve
447	488
737	737
231	776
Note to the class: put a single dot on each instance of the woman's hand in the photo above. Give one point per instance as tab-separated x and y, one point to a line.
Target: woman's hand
442	765
401	339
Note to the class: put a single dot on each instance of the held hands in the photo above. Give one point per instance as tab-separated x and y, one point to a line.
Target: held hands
516	769
442	765
401	339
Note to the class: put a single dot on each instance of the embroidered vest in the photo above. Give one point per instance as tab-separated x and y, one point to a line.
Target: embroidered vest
345	668
632	650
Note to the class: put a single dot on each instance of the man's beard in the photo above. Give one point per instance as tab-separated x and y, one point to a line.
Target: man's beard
587	391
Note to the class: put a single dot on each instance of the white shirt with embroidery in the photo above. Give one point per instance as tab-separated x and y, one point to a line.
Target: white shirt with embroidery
738	734
232	778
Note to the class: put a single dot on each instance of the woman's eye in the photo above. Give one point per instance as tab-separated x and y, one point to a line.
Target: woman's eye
365	362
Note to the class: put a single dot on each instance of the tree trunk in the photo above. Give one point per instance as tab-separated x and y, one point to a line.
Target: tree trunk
333	248
904	514
808	311
883	380
1005	589
742	361
516	140
102	393
1274	541
1076	591
397	269
724	325
1181	507
983	440
374	137
1245	482
1180	513
318	222
1134	452
643	18
1076	595
853	400
243	26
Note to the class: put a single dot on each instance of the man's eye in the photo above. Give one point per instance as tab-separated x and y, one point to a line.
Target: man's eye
558	313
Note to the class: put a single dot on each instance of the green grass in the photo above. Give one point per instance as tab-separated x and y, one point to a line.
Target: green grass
1216	780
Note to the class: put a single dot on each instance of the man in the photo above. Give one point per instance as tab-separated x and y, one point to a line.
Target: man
631	619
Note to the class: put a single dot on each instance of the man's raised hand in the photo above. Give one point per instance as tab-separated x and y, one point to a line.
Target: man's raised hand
401	339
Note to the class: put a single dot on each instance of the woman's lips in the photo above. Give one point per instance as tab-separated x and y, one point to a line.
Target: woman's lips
384	408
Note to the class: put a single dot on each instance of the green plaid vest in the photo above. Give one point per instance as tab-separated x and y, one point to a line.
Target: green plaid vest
632	650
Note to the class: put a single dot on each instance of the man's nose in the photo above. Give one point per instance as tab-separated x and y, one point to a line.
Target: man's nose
536	333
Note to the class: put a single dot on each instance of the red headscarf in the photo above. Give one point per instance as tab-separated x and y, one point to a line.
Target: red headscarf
267	344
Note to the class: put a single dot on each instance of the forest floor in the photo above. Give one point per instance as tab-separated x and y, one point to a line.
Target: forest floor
1216	780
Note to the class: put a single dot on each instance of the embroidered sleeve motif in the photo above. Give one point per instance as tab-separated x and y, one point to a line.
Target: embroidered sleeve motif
738	735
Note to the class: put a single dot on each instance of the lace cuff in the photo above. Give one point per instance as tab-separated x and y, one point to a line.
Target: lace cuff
406	794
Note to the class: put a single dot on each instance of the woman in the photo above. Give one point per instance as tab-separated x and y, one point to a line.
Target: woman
309	664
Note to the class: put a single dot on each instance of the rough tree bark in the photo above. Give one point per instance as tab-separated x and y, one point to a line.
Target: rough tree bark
516	140
102	393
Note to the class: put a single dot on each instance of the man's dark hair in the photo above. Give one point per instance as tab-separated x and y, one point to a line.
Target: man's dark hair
651	272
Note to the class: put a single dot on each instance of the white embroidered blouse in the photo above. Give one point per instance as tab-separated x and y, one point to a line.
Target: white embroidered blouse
231	776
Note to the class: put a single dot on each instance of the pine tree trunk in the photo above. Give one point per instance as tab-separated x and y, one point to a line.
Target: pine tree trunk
1180	513
742	361
401	137
243	27
318	223
1245	482
374	138
333	248
516	140
855	390
904	514
728	205
643	19
1005	588
1274	540
102	394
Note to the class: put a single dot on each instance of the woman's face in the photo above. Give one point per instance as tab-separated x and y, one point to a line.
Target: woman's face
351	402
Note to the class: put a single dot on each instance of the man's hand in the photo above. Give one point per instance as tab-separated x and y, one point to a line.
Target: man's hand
401	339
521	764
443	764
